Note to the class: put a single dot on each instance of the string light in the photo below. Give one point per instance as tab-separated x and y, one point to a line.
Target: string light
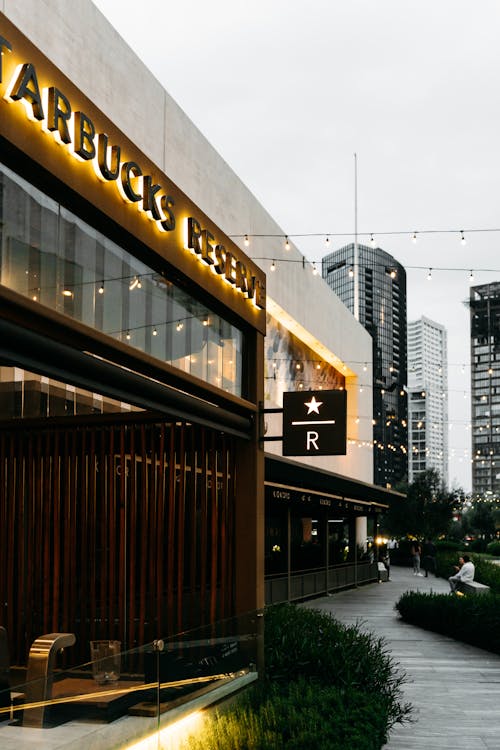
101	288
134	284
246	241
372	241
315	270
155	332
429	275
273	266
287	244
351	272
327	242
179	326
462	238
471	276
414	238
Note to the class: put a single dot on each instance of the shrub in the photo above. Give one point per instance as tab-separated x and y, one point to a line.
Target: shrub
478	545
300	715
325	685
493	548
448	544
472	619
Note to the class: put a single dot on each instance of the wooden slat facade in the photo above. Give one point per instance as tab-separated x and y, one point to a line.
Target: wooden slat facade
114	531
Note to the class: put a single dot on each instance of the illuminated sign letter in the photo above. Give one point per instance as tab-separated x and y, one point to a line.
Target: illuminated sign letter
230	268
112	170
206	246
130	168
21	90
148	197
84	136
4	45
59	114
168	222
241	276
220	257
194	235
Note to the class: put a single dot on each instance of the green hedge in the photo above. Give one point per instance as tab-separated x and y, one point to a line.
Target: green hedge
472	619
326	685
493	548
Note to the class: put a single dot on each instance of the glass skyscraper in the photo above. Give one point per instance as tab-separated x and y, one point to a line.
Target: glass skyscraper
379	302
484	303
428	398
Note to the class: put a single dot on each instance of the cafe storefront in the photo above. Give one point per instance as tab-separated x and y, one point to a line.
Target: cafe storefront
131	361
313	520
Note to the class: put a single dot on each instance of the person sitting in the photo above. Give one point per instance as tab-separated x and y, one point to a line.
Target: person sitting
465	573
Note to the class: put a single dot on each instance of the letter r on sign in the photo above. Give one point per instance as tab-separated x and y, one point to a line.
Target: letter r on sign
312	439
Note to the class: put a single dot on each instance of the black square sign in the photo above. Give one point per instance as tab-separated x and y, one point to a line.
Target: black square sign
314	423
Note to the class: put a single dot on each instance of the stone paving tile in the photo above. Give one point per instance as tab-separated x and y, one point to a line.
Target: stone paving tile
454	687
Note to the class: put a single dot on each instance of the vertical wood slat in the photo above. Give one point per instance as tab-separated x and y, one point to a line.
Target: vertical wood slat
203	524
180	500
144	515
91	561
122	541
160	530
47	509
152	564
132	544
57	529
213	530
171	532
191	531
102	522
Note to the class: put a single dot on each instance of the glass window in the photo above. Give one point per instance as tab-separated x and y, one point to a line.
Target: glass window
51	256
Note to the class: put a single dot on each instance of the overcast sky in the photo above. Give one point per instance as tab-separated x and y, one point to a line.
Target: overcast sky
287	91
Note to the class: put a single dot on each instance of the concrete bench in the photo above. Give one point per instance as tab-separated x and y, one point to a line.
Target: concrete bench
473	587
383	575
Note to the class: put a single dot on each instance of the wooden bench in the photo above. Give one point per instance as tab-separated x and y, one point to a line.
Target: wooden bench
383	575
473	587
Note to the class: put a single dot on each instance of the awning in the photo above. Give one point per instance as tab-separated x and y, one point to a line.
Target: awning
292	481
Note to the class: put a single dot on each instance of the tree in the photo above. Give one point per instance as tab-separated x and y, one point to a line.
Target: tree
427	510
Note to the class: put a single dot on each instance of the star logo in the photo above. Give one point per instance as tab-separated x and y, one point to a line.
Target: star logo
313	405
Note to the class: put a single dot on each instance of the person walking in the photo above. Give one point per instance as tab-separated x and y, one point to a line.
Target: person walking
429	558
416	551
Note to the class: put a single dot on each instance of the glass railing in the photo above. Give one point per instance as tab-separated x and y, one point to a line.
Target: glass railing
120	698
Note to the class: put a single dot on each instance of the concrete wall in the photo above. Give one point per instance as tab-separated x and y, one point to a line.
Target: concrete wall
81	42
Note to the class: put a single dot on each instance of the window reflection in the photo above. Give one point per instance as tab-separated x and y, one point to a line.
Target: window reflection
51	256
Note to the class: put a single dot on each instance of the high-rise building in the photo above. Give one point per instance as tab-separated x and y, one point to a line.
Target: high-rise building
427	398
373	286
484	303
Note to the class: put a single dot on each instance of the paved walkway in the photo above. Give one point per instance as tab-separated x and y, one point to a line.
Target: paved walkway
454	688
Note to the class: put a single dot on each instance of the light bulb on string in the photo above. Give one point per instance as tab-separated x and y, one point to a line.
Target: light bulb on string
314	269
429	275
372	241
471	275
414	237
246	241
155	332
101	288
462	238
327	242
287	244
351	272
273	266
